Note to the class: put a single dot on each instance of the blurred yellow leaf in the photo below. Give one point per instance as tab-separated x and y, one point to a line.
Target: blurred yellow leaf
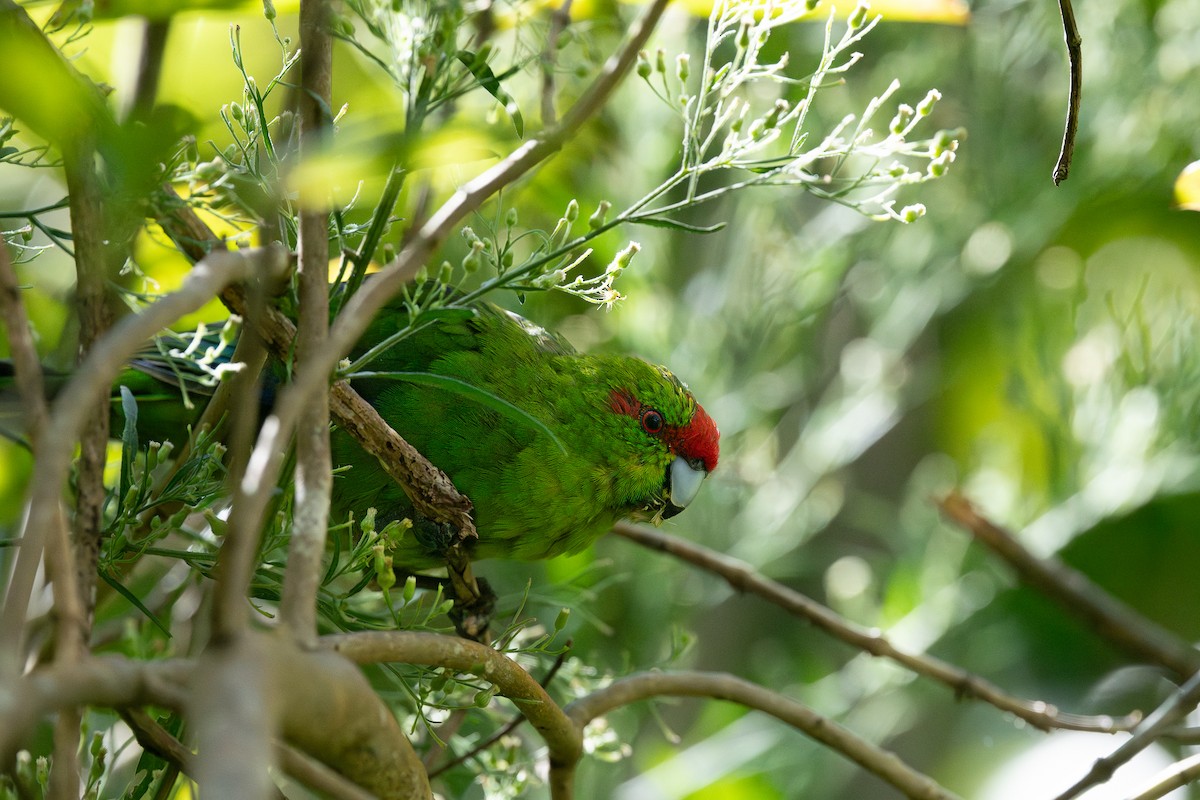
944	12
161	9
1187	187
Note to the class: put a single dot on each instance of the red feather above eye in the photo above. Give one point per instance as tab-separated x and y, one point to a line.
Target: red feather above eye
698	440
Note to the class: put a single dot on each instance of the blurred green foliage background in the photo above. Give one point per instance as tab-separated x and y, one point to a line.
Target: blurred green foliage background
1034	345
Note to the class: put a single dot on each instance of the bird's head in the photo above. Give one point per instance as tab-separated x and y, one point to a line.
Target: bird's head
676	441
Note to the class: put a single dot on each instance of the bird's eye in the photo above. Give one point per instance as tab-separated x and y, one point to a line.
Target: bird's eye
652	421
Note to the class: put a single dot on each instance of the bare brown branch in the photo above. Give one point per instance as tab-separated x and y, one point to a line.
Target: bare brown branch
745	579
644	686
1071	589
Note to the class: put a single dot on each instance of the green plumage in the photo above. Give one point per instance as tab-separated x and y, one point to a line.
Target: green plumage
534	496
551	446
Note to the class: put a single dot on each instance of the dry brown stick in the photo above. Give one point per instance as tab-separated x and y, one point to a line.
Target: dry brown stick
643	686
745	579
1075	67
1109	617
314	460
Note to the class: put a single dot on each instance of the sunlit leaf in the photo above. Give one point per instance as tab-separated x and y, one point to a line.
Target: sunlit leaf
488	80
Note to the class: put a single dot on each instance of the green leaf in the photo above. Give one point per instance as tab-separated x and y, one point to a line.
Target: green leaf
460	387
134	600
676	225
488	80
129	442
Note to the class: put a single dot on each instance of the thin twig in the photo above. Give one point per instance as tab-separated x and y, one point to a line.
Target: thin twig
1174	777
314	461
508	728
1075	65
643	686
743	578
77	560
111	682
1071	589
1177	707
150	64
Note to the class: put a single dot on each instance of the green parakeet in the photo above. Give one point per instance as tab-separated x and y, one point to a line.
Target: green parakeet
575	443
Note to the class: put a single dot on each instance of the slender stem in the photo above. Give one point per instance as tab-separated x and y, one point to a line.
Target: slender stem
1075	67
314	479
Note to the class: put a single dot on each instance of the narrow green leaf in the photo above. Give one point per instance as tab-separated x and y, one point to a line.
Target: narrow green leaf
488	80
460	387
134	600
676	225
129	442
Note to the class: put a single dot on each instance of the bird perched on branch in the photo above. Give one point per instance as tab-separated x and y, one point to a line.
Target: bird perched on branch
551	446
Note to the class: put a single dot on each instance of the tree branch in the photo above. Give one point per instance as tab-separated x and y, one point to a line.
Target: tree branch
1071	589
314	461
741	577
562	736
644	686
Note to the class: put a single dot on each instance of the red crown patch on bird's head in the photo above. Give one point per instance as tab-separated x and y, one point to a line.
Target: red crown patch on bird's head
698	440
